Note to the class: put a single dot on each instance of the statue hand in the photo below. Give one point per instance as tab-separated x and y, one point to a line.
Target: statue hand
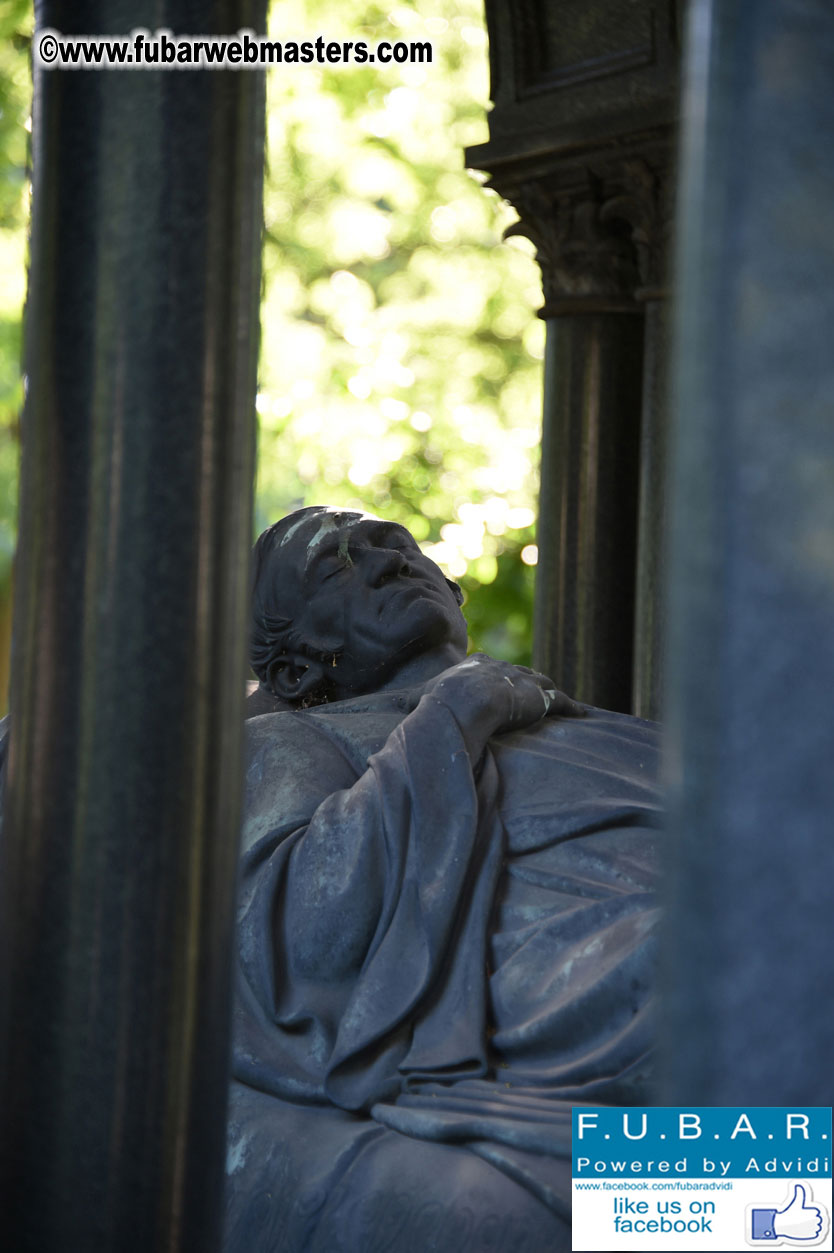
494	696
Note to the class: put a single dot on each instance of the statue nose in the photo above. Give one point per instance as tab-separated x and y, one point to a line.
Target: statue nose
388	565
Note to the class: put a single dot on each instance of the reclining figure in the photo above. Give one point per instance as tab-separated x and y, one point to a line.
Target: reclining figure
446	917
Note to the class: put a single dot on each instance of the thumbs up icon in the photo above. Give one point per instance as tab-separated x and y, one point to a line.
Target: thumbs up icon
797	1220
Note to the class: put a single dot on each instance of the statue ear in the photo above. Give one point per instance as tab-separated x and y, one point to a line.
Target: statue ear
457	591
293	676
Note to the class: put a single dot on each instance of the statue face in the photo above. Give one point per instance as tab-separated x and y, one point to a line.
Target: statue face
360	586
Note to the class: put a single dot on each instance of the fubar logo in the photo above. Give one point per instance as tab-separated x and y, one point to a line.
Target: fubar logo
670	1178
689	1125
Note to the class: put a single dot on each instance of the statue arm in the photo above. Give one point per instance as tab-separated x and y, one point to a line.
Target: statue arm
415	806
350	894
398	831
358	891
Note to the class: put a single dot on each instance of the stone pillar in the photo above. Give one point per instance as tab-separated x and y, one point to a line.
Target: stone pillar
751	961
117	867
595	247
652	515
582	136
649	600
584	608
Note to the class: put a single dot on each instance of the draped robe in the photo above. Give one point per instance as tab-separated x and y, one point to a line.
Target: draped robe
437	959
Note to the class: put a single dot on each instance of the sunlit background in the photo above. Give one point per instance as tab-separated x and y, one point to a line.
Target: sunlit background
401	354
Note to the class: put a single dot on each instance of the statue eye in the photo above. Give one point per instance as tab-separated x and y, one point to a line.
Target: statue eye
400	541
332	565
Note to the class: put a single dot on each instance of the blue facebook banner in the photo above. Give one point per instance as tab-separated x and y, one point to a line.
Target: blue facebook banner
701	1142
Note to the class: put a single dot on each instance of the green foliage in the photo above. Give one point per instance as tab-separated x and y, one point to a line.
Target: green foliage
400	358
15	94
400	362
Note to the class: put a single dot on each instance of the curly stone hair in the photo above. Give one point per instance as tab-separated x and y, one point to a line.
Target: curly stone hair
272	632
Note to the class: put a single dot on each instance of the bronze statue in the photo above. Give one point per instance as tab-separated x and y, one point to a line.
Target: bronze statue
446	915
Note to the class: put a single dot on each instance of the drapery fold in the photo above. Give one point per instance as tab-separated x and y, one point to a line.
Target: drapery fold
453	952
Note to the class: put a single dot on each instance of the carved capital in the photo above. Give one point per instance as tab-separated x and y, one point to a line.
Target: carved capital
600	242
645	202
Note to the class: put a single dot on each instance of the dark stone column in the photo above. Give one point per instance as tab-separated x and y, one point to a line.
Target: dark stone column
581	141
751	964
652	517
591	268
587	531
119	852
650	600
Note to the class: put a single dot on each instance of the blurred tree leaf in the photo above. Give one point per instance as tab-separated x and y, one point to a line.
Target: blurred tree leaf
400	364
15	96
400	357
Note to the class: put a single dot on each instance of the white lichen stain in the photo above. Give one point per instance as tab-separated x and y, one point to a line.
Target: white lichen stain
236	1155
330	520
329	524
292	530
